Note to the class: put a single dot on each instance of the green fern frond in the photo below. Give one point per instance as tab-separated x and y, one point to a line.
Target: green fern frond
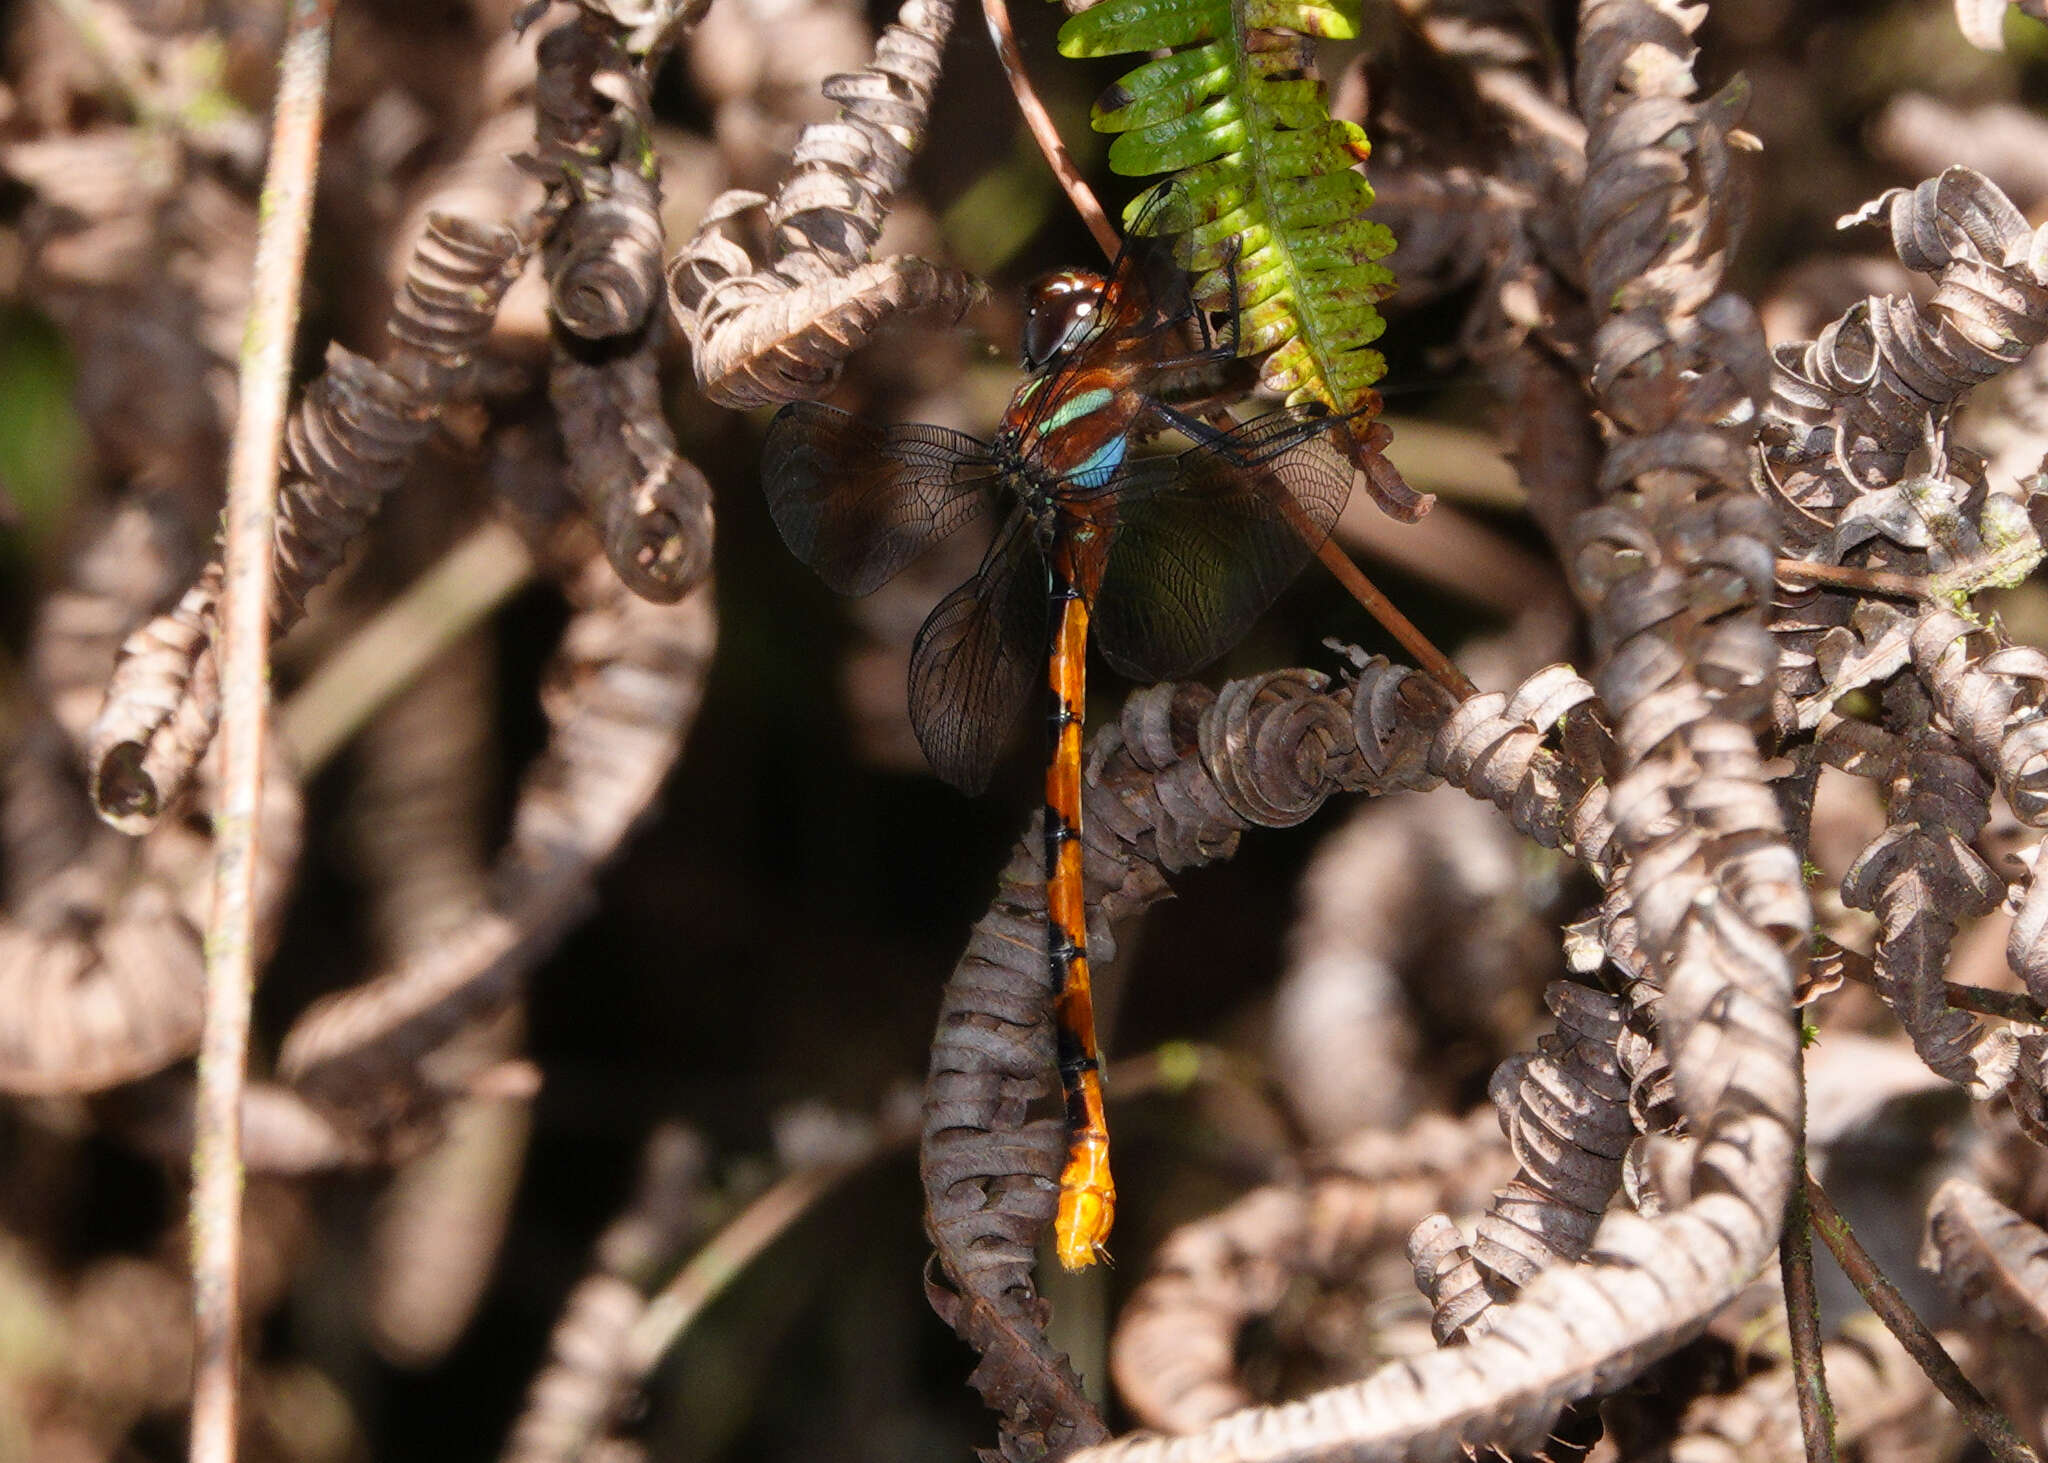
1235	112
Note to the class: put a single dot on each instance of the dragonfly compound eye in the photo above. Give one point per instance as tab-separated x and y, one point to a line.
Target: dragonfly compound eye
1059	312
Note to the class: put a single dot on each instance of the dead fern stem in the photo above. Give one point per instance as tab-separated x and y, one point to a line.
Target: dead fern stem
245	688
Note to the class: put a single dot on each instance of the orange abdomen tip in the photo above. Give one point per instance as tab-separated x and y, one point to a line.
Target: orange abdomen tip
1087	1204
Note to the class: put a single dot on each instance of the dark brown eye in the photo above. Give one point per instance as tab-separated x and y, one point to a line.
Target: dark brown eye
1059	311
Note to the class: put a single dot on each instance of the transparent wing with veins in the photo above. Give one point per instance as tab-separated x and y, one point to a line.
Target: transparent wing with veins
857	502
1207	539
978	657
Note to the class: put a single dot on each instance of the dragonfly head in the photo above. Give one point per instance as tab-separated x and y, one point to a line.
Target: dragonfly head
1059	311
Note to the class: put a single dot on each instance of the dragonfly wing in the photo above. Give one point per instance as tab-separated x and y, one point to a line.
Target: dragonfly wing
976	658
857	502
1206	541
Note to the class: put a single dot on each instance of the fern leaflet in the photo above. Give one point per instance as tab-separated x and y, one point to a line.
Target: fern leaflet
1237	114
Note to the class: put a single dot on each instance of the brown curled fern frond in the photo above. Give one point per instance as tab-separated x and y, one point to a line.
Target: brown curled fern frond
593	125
1921	877
1855	437
1176	1346
594	128
101	969
780	331
416	825
1177	779
988	1169
420	801
1449	1279
2028	1093
127	569
1493	746
620	696
441	1221
347	444
100	964
1848	409
1990	694
1575	1331
576	1395
649	503
605	260
587	94
1994	1262
1676	566
1178	1351
1566	1113
1676	569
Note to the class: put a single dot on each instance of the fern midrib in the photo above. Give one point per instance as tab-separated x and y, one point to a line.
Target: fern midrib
1257	132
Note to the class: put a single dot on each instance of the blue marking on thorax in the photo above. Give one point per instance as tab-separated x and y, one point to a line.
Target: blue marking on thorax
1096	471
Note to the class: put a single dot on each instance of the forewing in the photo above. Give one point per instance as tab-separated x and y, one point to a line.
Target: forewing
1206	541
857	502
976	658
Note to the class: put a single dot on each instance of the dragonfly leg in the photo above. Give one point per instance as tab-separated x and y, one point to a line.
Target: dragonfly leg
1087	1205
1263	449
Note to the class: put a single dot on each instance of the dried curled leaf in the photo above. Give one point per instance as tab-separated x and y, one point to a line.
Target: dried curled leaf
100	964
1847	409
1988	1257
1565	1111
606	257
347	444
651	506
1921	877
780	331
1177	1354
1676	564
101	972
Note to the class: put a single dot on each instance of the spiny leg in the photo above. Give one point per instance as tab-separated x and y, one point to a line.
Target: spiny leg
1087	1193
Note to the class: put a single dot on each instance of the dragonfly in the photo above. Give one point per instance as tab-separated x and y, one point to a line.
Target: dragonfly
1162	561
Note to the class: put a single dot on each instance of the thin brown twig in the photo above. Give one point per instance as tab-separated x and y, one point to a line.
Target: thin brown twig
1846	576
721	1261
2005	1005
265	381
1984	1420
997	15
1802	1316
1397	624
